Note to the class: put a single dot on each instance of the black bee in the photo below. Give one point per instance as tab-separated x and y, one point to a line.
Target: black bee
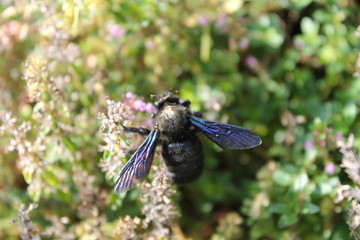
175	128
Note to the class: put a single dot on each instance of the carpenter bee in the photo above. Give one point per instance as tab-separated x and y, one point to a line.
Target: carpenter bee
174	128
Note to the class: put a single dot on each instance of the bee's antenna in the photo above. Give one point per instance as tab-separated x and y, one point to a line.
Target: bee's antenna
152	96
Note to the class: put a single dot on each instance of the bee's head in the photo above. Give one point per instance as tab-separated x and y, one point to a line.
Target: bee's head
166	98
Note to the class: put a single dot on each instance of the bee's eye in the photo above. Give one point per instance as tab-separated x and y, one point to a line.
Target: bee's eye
173	100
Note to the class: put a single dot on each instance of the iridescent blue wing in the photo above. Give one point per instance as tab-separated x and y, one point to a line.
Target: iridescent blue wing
137	168
225	135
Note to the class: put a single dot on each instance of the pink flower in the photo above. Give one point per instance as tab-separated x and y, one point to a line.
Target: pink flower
339	136
149	108
116	30
221	20
149	44
308	144
251	62
330	168
148	122
132	101
244	43
203	20
139	105
130	96
232	41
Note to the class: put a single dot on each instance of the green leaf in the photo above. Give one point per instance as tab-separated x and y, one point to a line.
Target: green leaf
35	194
300	182
69	144
38	106
301	4
273	37
310	208
310	155
327	54
205	46
28	173
282	178
350	112
277	208
107	155
287	220
309	27
45	132
51	178
277	151
52	152
325	188
65	196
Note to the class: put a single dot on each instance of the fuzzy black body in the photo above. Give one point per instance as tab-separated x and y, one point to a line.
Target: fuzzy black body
184	160
181	149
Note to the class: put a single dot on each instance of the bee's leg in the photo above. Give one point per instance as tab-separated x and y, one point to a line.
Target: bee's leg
186	103
142	131
196	114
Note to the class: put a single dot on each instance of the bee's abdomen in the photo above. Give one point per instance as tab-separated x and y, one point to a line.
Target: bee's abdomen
184	161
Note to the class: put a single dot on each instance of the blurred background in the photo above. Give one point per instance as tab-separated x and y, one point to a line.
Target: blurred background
71	70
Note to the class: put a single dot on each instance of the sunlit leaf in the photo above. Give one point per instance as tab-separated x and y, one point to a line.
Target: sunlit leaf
28	173
205	45
282	177
300	182
51	178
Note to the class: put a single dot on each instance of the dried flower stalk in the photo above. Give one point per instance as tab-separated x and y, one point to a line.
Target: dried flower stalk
351	164
27	229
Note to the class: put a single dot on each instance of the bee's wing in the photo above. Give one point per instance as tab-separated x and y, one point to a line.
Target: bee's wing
139	164
225	135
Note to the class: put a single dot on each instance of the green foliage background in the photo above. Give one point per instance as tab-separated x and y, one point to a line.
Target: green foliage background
284	69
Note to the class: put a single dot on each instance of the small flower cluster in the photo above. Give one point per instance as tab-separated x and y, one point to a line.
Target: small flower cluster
117	112
321	139
91	202
36	77
27	229
229	227
291	122
158	208
31	154
29	151
351	164
113	134
58	229
127	227
324	140
137	104
18	131
89	195
57	34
